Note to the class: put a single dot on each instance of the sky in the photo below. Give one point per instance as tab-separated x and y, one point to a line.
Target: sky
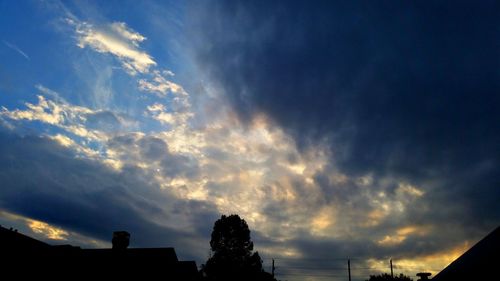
362	130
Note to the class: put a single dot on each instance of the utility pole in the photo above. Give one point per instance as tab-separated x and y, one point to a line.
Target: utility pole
392	275
349	268
272	269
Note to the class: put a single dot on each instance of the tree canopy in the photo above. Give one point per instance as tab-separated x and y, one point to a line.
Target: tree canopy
232	256
387	277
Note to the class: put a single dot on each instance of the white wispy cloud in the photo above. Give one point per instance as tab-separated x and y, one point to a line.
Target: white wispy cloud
127	33
160	85
44	111
80	121
17	49
123	42
117	39
160	113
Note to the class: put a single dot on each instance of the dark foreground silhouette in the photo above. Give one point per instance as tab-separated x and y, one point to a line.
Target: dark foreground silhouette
25	258
479	262
232	256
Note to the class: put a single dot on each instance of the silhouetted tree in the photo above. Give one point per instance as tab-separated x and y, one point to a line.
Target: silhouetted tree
387	277
232	256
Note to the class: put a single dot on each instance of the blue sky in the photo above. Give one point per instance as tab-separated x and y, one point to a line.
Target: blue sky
336	130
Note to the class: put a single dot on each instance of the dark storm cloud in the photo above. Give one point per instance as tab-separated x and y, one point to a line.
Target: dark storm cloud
103	120
406	89
153	149
44	181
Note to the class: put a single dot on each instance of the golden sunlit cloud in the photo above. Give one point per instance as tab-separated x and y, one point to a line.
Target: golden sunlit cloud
321	223
63	140
39	227
47	230
403	233
432	263
43	231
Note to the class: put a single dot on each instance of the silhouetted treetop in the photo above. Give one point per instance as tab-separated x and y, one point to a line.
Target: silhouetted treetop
232	256
387	277
231	235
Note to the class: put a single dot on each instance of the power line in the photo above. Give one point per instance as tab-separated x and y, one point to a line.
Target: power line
311	275
333	268
309	259
314	268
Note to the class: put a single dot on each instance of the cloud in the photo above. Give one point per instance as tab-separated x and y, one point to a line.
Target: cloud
160	85
119	40
148	180
290	196
318	124
47	232
62	115
116	39
400	96
401	106
178	117
17	49
328	71
153	154
88	198
83	129
127	33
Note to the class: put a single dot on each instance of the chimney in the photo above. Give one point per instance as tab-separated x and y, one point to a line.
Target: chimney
121	240
423	276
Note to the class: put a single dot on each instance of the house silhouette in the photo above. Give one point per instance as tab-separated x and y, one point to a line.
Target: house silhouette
479	263
23	257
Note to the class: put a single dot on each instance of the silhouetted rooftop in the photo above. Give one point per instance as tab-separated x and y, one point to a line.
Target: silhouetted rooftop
11	239
25	257
479	263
